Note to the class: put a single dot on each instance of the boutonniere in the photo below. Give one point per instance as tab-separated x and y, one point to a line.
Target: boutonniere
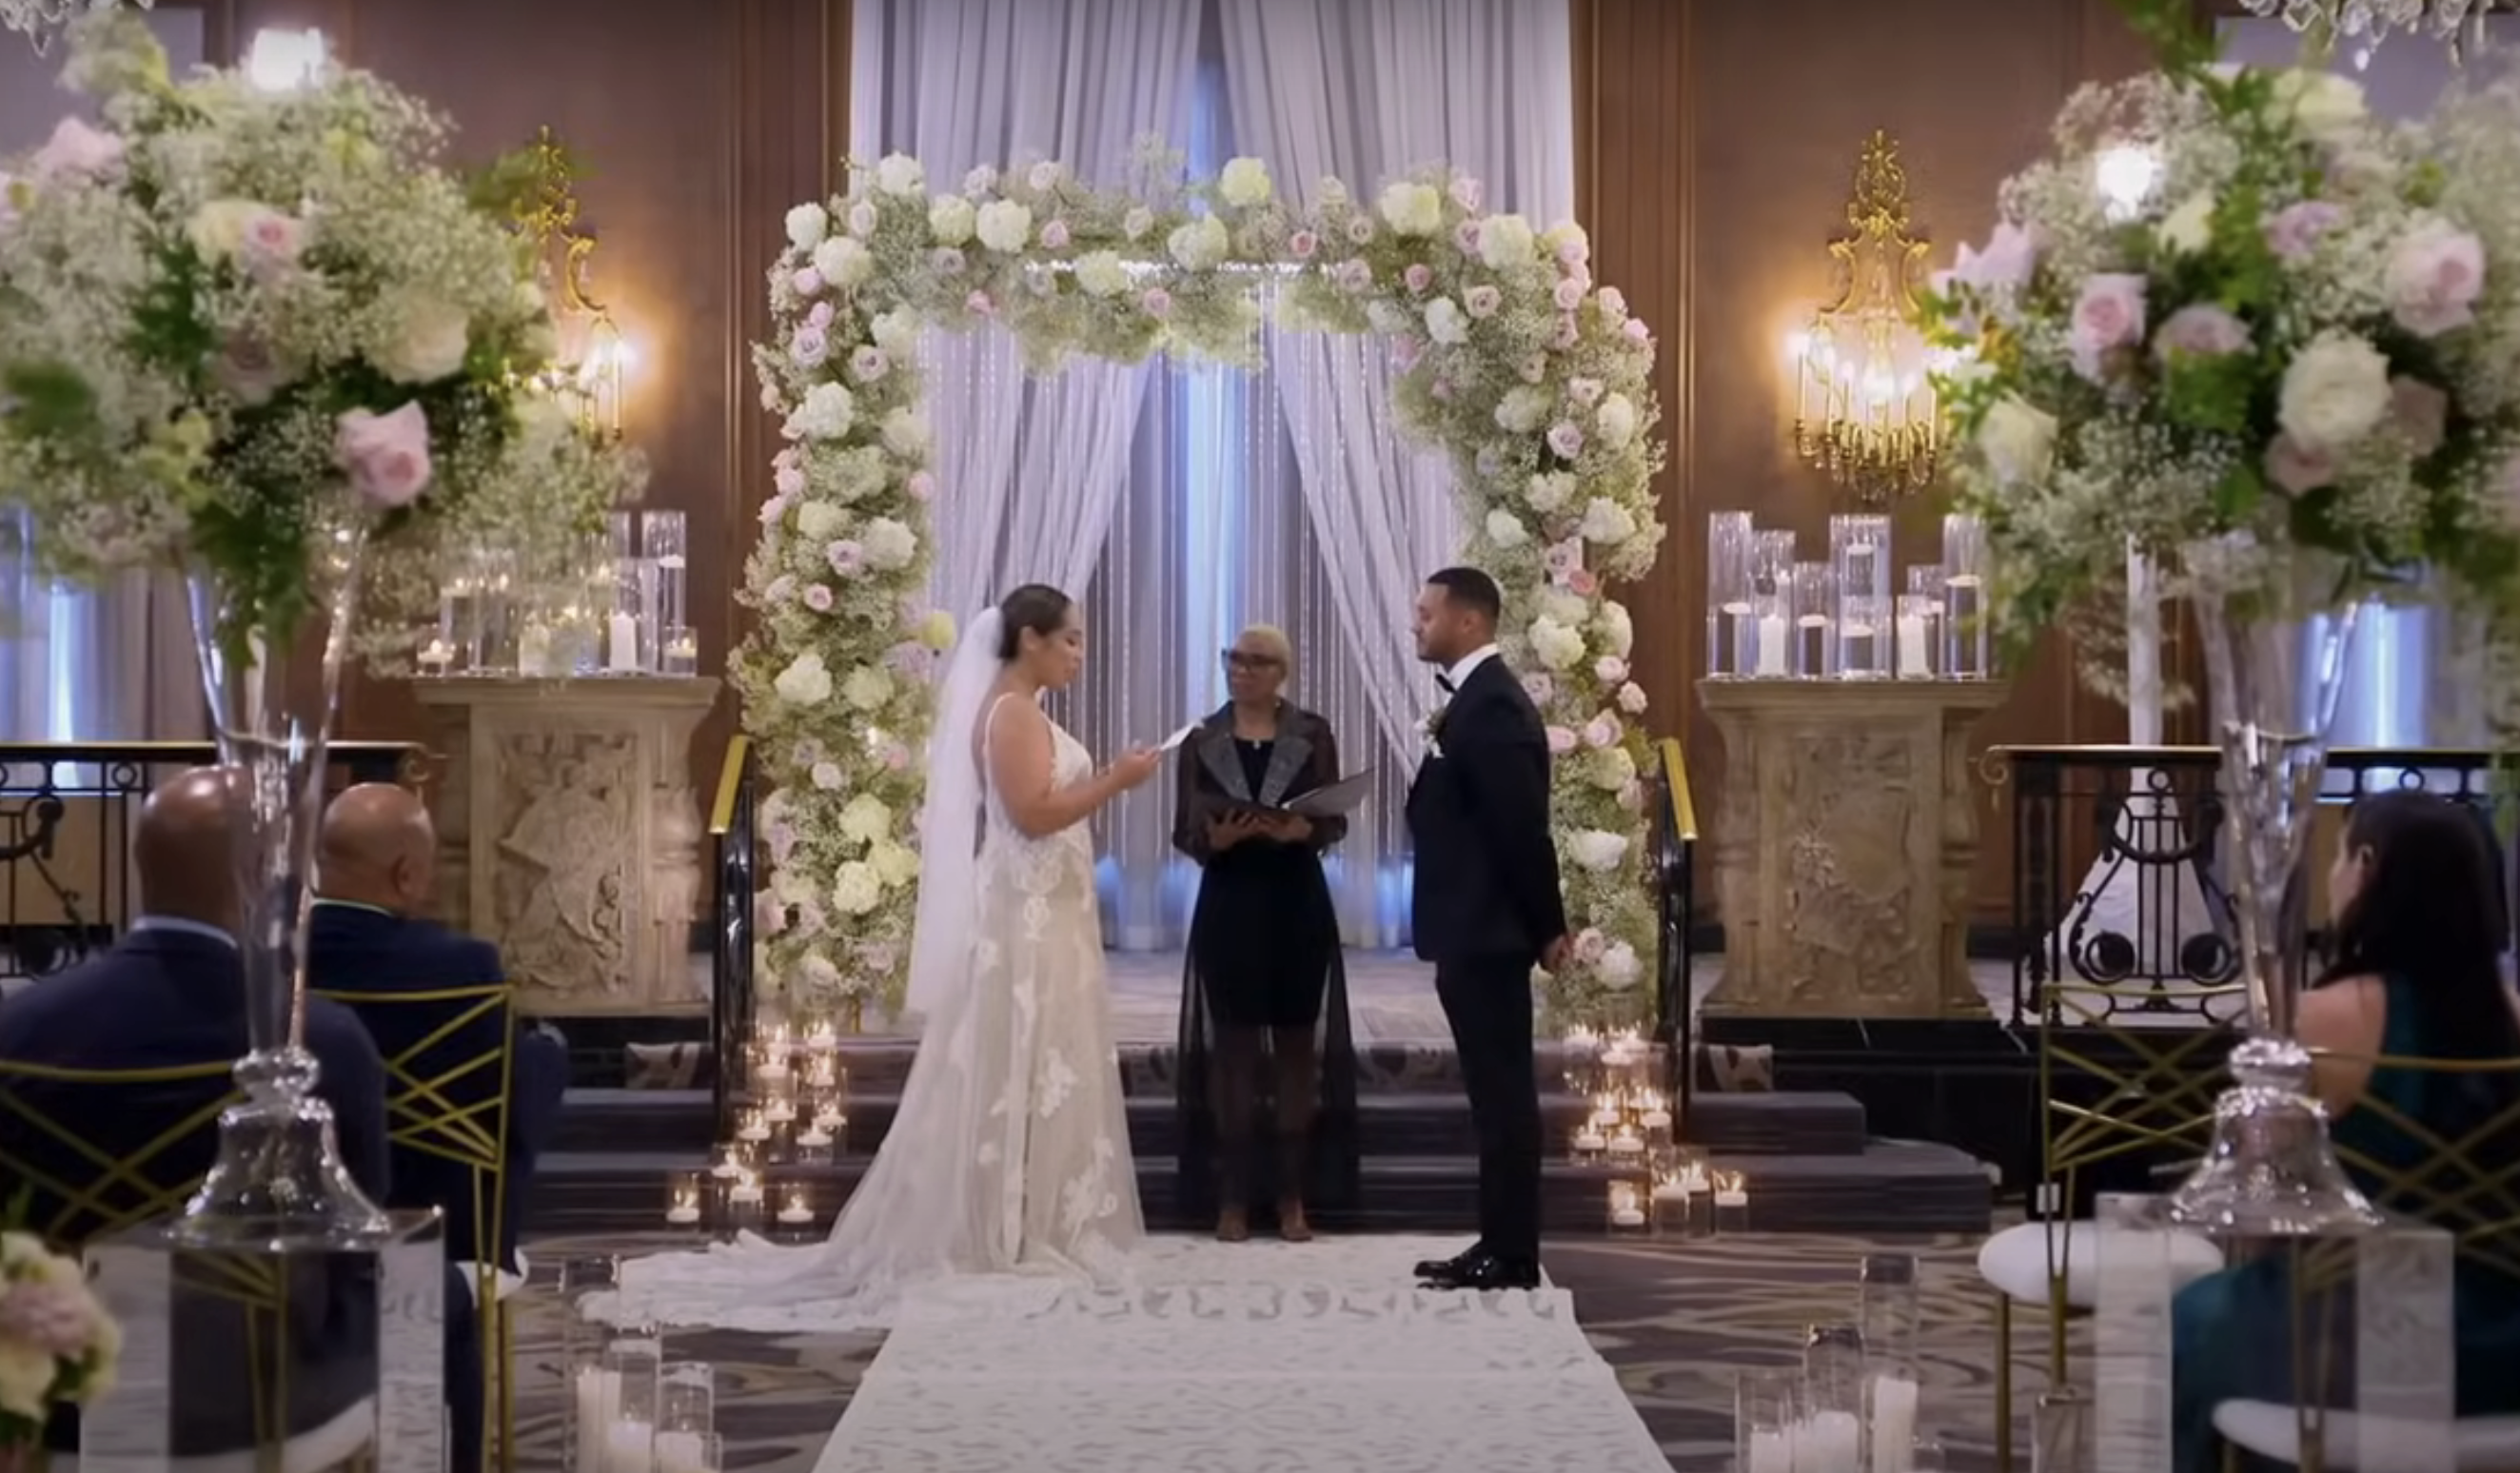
1430	727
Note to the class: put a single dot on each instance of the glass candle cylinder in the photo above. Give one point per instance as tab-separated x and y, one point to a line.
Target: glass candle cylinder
1654	1118
1858	552
796	1208
1669	1203
687	1398
1766	1405
1772	605
1887	1313
665	545
1865	636
1916	625
636	1365
682	1199
746	1205
2060	1433
1731	1202
690	1452
1626	1208
1829	1434
1731	639
1967	640
1816	614
594	1407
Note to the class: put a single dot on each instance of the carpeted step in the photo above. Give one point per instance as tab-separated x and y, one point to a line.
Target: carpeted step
1797	1123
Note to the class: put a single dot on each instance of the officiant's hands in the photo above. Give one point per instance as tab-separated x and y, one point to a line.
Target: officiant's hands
1231	828
1287	827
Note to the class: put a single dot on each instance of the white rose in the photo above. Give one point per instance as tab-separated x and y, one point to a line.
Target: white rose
888	544
2334	393
856	889
1387	318
1200	245
1004	226
2189	228
900	174
1616	419
950	219
865	820
1244	183
905	433
1506	530
845	261
807	224
426	340
2325	107
1619	967
1413	209
806	682
1504	242
1446	322
2017	440
1523	409
1597	849
1632	699
1558	646
820	522
896	331
868	688
1550	490
828	776
828	413
1137	222
1102	273
1042	177
1607	522
1618	631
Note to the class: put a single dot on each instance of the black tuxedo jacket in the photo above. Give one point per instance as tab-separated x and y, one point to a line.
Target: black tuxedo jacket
1478	815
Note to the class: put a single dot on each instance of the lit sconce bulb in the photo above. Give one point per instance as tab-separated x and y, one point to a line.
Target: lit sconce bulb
2124	174
284	60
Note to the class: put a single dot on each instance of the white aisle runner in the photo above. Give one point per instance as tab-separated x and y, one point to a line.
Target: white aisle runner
1258	1357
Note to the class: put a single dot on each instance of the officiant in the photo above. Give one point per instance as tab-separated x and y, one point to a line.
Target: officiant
1267	1054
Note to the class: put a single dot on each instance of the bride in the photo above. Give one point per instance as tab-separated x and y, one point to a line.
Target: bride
1009	1151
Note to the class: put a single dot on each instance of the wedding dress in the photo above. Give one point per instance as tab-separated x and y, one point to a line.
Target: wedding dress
1008	1156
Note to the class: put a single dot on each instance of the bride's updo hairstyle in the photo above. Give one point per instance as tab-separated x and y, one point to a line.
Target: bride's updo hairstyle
1035	606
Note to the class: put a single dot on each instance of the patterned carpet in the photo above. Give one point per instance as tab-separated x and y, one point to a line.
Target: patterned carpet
1677	1320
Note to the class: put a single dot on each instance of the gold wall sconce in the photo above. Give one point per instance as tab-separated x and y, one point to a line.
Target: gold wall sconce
1865	409
591	360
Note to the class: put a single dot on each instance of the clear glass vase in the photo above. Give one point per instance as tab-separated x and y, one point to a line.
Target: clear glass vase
2275	626
272	683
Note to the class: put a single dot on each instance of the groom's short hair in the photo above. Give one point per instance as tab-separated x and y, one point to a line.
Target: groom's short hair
1469	588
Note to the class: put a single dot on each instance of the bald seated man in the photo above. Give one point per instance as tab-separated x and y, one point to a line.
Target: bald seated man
376	872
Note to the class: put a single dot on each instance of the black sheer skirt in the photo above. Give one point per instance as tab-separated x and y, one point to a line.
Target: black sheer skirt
1267	1083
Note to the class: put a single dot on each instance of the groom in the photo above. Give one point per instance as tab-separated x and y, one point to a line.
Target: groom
1486	906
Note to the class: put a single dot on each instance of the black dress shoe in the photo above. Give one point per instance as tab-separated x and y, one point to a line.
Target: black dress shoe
1489	1272
1437	1267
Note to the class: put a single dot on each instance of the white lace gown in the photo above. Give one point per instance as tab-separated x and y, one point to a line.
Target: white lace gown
1010	1152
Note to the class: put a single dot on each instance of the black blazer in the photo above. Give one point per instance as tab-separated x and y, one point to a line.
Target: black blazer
1478	816
1212	781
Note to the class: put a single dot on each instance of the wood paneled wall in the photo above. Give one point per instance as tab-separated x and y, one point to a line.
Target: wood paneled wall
1716	145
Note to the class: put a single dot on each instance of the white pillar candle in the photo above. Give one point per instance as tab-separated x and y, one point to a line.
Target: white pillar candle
598	1406
1590	1141
682	1214
1771	1451
1630	1218
621	648
1911	645
681	1453
745	1194
1894	1423
1626	1146
793	1216
632	1447
533	652
1672	1192
755	1131
1828	1442
1655	1120
814	1138
1735	1197
1772	645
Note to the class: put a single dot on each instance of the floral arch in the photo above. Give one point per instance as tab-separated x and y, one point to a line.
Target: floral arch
1534	382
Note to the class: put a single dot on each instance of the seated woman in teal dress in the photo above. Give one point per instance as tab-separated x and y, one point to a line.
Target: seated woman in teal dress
2418	975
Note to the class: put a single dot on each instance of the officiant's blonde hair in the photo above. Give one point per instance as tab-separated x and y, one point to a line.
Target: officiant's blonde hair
1273	641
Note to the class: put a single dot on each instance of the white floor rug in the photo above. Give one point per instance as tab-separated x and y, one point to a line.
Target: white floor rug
1250	1358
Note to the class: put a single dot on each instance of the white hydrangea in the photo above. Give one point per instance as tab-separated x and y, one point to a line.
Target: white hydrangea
1412	209
856	889
1597	849
868	688
889	543
864	818
1102	272
807	224
1557	646
1506	529
1244	183
806	682
1199	246
1004	226
901	174
951	220
828	413
1504	242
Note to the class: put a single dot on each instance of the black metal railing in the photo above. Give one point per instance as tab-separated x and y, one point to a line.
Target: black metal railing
1675	868
67	810
2117	867
735	872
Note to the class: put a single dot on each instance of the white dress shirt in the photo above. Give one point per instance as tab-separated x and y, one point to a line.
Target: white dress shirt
1460	670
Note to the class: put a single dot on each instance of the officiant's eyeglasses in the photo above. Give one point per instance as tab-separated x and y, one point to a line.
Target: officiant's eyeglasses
1250	660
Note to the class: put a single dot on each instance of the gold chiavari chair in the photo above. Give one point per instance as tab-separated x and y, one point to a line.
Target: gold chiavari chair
449	1055
2109	1090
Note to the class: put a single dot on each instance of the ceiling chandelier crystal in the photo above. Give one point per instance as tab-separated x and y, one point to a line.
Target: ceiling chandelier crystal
43	21
2363	25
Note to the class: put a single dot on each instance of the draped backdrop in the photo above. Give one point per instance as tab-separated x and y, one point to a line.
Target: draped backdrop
1182	502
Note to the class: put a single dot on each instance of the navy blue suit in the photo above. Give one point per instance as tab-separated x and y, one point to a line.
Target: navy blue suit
360	949
166	997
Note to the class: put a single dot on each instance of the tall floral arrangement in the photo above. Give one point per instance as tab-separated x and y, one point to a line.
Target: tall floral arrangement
237	322
57	1344
1534	381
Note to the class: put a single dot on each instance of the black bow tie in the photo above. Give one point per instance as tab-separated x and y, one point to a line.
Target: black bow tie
1444	683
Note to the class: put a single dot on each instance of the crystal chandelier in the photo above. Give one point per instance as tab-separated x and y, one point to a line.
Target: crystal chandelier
44	20
2363	25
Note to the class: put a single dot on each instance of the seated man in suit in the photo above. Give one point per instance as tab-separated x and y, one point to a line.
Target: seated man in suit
171	993
375	869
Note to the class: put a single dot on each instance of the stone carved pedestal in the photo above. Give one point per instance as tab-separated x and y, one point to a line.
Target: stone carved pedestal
569	834
1843	844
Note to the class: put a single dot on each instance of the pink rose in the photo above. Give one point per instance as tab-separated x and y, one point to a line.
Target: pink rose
1302	243
789	480
896	757
946	260
847	557
1586	392
248	371
921	486
978	304
2108	315
1561	740
806	282
821	316
782	841
1534	369
810	919
1352	275
1157	301
2435	276
1568	295
1054	236
774	511
1539	686
809	347
386	455
1590	945
1635	330
2421	413
1614	302
817	598
271	245
1418	278
1609	670
866	365
1562	557
779	590
2297	228
2200	330
1568	332
1466	236
1602	730
1574	250
862	218
769	914
2004	264
76	149
2296	468
1442	389
1482	301
1468	193
1404	352
1565	439
1583	582
1359	230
